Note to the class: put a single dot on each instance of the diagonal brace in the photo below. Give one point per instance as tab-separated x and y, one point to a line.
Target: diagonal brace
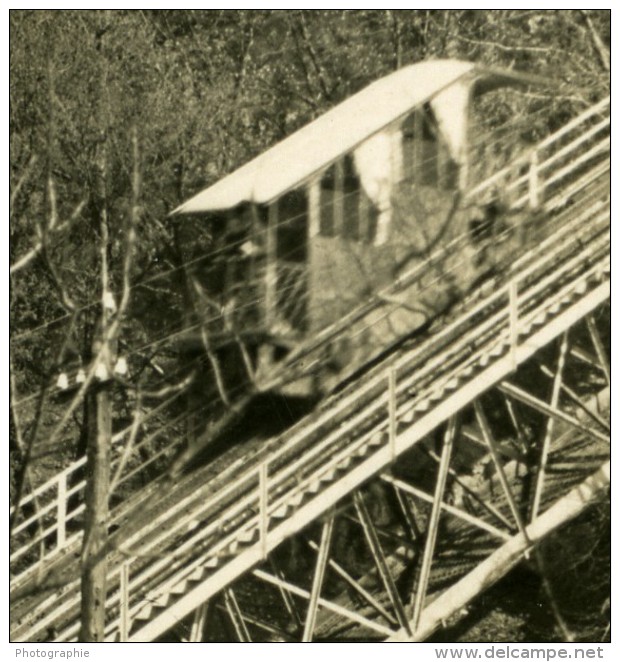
379	557
357	587
544	452
232	607
319	574
541	406
433	525
598	346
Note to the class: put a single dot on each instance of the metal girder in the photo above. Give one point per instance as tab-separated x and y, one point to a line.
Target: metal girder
544	451
409	517
573	397
267	627
431	532
586	357
384	533
289	604
487	506
510	497
453	510
379	557
541	406
327	604
516	423
370	466
503	559
317	581
490	441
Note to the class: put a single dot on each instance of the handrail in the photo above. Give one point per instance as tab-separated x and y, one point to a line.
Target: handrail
368	405
497	177
547	258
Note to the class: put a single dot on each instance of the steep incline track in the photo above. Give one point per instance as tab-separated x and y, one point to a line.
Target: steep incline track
171	553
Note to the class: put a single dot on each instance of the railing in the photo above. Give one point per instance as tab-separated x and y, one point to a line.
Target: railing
57	506
540	173
50	503
373	413
368	414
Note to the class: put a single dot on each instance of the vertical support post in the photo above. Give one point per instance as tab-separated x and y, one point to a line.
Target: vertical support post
513	305
314	208
396	155
392	410
271	268
598	346
124	602
314	230
418	146
317	581
339	198
255	238
231	263
533	181
364	216
466	149
196	634
262	507
61	517
433	523
544	452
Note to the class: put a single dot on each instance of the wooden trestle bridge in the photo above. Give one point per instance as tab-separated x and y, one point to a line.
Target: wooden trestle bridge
398	531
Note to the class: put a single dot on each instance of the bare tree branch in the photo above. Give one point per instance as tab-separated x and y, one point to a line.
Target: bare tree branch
23	261
601	50
20	182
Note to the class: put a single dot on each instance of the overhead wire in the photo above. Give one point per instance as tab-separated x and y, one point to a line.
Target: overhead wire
184	265
183	328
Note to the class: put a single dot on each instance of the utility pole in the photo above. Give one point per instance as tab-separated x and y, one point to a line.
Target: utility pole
94	561
94	565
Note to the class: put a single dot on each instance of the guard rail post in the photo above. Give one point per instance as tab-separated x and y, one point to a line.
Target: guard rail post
61	512
513	316
124	601
262	507
392	410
